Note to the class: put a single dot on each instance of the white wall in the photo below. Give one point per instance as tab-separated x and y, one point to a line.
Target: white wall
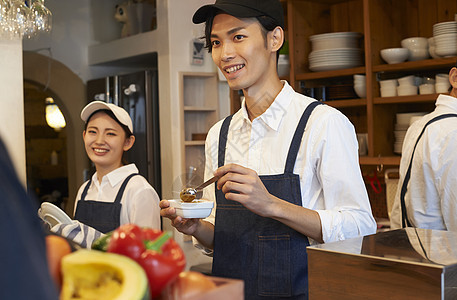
12	130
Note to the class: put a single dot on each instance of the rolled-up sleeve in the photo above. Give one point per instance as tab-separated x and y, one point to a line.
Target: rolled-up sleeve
345	210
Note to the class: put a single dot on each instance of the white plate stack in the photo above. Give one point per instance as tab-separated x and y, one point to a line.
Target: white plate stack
445	38
335	51
403	122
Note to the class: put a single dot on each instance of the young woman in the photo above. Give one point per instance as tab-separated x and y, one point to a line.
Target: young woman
116	194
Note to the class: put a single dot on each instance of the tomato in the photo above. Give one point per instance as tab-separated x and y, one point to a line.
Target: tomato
127	240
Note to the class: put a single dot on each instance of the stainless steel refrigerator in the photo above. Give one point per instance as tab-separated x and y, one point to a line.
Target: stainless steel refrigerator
138	94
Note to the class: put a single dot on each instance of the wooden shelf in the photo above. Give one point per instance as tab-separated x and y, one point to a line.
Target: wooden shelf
347	103
199	111
199	108
427	64
194	143
330	74
380	160
405	99
133	51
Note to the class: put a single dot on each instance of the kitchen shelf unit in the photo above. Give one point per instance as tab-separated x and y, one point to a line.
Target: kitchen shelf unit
383	23
199	111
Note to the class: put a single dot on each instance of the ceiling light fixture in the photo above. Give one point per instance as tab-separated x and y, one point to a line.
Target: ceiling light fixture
54	116
20	18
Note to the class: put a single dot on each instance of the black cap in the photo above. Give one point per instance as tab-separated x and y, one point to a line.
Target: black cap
243	9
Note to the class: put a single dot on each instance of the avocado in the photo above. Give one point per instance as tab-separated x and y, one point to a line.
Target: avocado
91	274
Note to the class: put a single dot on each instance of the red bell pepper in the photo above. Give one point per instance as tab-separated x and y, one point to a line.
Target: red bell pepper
159	255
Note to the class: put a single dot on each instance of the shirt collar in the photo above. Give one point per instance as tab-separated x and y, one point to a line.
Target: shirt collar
272	116
118	175
448	101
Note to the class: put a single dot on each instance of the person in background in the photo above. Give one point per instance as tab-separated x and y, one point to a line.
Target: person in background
426	195
289	175
116	194
24	269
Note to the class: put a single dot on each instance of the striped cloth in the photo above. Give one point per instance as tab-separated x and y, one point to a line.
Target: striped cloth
78	232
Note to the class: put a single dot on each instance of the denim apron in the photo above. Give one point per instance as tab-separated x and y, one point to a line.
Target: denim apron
103	216
404	187
269	256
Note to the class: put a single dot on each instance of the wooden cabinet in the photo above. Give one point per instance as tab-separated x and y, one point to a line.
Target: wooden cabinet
383	23
199	111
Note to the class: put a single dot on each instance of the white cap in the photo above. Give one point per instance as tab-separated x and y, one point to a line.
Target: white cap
120	113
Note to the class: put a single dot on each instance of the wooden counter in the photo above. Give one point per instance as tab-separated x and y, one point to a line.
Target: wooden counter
399	264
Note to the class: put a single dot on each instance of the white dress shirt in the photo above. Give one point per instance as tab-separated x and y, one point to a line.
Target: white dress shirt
330	178
140	202
431	199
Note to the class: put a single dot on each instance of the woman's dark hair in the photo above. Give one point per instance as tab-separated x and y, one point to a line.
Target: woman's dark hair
127	131
267	25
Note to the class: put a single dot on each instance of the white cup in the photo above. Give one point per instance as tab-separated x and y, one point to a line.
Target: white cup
406	90
407	80
442	87
442	78
427	88
389	83
388	91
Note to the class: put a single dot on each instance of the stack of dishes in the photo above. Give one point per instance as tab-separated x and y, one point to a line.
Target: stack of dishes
445	38
334	51
403	122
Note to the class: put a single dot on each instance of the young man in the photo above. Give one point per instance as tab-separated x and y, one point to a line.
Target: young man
285	181
426	195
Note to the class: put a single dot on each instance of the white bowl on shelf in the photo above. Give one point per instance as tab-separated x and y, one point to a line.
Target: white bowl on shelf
442	78
427	88
406	80
418	54
442	87
394	55
388	91
388	83
405	118
360	90
415	43
406	90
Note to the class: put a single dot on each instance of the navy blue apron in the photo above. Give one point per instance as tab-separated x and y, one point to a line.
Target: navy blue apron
269	256
103	216
404	187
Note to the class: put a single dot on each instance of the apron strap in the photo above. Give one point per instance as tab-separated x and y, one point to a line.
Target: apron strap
120	193
223	141
404	187
298	135
86	188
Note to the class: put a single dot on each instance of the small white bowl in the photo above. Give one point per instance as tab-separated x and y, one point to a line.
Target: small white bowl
198	208
418	54
406	90
388	91
360	90
391	83
415	43
427	88
442	87
406	80
359	79
442	78
395	55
